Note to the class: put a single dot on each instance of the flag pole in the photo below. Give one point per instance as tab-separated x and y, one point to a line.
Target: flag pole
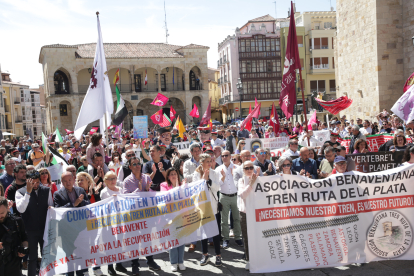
303	97
105	121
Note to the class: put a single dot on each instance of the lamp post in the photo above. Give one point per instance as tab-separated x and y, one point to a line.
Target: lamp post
240	89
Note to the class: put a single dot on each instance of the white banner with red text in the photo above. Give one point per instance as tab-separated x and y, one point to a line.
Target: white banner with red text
266	143
298	223
126	227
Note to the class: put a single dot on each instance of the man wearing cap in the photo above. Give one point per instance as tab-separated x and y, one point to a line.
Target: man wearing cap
175	137
37	154
215	141
339	165
333	139
165	137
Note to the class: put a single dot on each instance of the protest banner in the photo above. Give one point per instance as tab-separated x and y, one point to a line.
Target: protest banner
266	143
373	141
115	167
126	227
183	147
295	222
374	161
140	126
321	136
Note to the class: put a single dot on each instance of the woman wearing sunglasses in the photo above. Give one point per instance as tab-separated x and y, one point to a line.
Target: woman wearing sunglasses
245	187
285	165
46	180
240	146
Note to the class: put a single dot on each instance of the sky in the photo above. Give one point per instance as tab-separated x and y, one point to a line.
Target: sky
27	25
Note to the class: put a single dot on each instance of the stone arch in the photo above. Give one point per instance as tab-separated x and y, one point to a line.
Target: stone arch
197	101
84	77
138	80
195	78
62	81
177	73
65	115
128	121
148	109
179	107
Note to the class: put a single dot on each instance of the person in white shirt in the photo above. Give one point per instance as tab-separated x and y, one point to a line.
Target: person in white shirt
293	148
216	141
366	129
228	199
65	153
307	140
217	154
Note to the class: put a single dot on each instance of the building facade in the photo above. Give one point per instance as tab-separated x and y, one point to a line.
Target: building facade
214	94
13	119
252	54
178	72
317	45
374	53
2	103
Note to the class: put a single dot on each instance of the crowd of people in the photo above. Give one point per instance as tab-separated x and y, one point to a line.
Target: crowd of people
218	155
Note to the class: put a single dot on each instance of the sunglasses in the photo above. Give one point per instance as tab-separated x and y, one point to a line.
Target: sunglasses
43	173
134	164
225	155
286	166
242	143
295	143
262	153
130	155
248	168
234	159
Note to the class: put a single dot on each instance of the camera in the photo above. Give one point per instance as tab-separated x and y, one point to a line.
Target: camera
23	250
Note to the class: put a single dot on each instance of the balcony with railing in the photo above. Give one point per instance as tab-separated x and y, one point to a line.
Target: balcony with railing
247	55
7	108
18	119
261	75
16	100
260	96
221	101
225	78
225	59
9	125
221	81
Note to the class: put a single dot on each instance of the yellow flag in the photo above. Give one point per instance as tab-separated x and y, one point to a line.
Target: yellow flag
116	77
181	129
176	125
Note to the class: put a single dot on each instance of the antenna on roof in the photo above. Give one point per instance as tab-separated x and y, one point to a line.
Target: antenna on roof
275	10
166	29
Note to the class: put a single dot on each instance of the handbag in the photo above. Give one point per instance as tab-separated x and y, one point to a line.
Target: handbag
219	205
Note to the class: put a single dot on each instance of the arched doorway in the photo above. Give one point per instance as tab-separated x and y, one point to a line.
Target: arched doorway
195	74
197	101
65	112
146	108
61	82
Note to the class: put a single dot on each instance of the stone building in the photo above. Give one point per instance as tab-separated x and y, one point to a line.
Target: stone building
374	53
252	54
214	94
2	103
178	72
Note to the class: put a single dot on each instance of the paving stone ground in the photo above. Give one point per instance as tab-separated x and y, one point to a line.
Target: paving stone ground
233	265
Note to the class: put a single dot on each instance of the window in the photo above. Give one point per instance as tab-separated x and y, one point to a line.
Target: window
333	62
319	63
302	64
317	86
318	43
259	43
333	43
300	41
63	110
61	83
332	86
327	25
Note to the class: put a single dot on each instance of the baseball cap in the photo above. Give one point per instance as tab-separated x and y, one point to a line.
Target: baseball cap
339	159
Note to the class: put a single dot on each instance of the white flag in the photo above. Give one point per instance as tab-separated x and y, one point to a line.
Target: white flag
98	99
404	107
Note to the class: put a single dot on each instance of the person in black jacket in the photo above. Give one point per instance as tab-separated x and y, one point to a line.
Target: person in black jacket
33	201
19	182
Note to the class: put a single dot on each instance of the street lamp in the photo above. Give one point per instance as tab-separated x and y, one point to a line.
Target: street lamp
240	89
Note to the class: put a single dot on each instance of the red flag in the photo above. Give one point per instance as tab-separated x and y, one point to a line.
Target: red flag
274	120
157	117
160	100
249	124
312	120
409	82
172	113
287	98
194	113
256	104
250	116
207	115
335	106
69	131
146	79
165	121
93	130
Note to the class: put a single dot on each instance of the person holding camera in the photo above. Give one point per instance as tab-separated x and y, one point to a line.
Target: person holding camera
13	241
33	201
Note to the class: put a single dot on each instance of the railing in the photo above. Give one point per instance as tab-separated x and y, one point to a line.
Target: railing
221	62
259	54
27	118
221	101
18	119
261	75
59	92
225	58
227	98
218	63
219	81
332	90
17	100
225	78
320	66
260	96
7	108
324	47
174	87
